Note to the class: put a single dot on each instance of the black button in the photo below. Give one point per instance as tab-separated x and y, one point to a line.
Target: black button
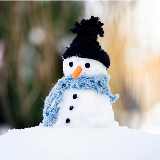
74	96
67	120
71	107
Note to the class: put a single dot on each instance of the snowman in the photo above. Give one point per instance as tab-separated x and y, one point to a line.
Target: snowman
82	98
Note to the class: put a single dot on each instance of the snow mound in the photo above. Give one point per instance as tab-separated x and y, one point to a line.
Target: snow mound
116	143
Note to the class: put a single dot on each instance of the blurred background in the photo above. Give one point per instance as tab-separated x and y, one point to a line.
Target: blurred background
34	35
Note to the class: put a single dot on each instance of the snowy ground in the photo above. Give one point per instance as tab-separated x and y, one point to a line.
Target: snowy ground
116	143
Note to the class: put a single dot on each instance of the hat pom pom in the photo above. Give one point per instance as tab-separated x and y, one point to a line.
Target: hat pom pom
90	28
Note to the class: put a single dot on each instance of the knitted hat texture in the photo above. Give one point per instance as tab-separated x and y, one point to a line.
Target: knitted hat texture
85	44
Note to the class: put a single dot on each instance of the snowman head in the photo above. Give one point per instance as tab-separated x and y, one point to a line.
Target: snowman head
77	66
85	54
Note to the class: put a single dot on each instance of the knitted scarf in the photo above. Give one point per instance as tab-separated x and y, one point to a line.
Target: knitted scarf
97	83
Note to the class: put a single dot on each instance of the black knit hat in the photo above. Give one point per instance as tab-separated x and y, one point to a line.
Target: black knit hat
85	44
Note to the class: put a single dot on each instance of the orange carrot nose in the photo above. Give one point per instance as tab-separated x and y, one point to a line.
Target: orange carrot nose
77	71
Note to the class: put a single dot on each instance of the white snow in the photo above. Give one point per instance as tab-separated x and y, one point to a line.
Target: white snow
116	143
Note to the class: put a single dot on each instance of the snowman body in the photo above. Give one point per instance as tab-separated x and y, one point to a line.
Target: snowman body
84	107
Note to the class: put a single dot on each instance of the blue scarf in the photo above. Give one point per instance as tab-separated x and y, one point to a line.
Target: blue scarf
97	83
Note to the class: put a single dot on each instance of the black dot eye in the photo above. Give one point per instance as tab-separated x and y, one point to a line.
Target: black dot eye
87	65
70	64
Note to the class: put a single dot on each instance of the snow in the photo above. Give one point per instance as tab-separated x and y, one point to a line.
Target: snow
116	143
